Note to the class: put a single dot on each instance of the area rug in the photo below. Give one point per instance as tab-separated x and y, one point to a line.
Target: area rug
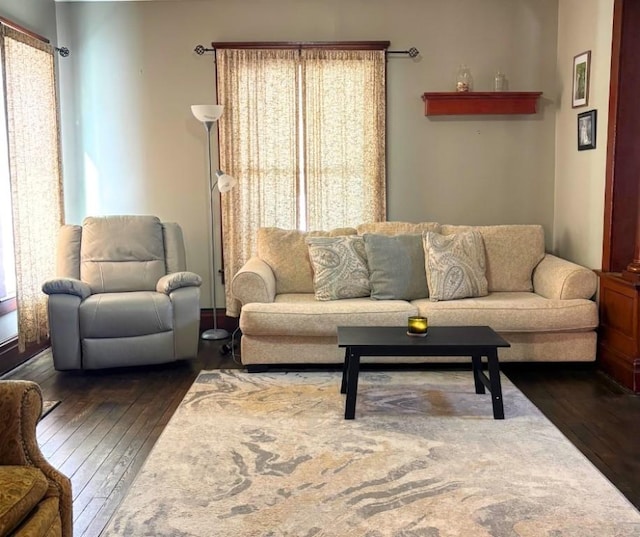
271	455
48	406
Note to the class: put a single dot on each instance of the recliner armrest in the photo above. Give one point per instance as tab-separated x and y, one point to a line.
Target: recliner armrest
176	280
66	286
558	278
254	282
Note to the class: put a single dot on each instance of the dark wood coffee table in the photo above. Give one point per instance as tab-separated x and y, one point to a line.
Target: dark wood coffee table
473	341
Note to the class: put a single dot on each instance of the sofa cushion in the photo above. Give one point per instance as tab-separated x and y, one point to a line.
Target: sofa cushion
45	521
396	266
339	267
287	253
303	315
21	489
512	252
513	312
455	265
397	228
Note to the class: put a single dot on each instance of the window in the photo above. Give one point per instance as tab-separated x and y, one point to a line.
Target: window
7	262
304	133
34	173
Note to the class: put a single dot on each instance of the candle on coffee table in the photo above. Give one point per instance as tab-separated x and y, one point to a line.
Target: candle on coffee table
417	326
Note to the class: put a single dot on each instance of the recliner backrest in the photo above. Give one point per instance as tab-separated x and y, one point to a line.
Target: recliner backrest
174	254
70	238
122	253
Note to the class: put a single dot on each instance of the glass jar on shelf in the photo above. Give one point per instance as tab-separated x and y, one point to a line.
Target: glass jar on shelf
500	81
464	80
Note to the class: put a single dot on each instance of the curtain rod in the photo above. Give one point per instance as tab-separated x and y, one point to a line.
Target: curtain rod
22	29
412	52
63	51
348	45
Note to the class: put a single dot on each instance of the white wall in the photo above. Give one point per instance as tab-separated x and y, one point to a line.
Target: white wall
131	145
39	16
580	175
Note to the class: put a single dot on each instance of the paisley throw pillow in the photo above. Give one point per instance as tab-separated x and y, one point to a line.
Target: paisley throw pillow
455	265
339	267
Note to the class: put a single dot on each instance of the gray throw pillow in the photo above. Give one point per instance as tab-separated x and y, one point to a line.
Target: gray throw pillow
339	267
455	265
396	266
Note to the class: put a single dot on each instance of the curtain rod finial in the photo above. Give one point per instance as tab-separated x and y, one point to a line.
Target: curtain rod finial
200	50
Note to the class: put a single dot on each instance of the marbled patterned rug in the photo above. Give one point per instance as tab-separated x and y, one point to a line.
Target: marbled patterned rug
270	455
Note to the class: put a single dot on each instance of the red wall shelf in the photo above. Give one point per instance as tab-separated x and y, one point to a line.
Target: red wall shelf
480	102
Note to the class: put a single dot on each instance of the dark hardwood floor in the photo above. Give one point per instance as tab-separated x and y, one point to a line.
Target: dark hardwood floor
108	421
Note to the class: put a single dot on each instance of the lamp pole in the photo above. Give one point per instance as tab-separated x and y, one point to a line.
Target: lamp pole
214	333
208	115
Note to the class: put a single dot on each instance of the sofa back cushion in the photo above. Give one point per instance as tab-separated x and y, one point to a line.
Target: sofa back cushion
512	252
287	253
396	266
397	228
122	253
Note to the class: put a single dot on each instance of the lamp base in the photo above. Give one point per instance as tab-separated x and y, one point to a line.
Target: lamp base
214	334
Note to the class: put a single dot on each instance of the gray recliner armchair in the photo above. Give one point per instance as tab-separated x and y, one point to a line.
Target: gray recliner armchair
122	296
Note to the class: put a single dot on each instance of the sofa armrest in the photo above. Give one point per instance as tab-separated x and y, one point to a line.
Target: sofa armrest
20	409
176	280
66	286
561	279
254	282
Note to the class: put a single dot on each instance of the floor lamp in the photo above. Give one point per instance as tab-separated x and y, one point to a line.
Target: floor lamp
208	114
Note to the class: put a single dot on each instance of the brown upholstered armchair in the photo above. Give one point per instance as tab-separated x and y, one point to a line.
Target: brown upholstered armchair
35	499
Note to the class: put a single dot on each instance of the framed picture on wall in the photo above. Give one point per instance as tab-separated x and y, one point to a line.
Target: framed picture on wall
587	130
580	92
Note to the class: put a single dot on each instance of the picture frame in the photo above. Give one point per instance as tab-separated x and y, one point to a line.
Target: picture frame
581	76
587	124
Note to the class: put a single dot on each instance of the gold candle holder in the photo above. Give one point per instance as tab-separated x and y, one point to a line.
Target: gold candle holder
417	326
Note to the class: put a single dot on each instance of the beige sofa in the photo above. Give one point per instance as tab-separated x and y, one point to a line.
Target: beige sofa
540	303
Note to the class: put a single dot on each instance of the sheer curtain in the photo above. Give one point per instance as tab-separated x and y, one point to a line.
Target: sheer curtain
34	173
259	145
304	133
344	132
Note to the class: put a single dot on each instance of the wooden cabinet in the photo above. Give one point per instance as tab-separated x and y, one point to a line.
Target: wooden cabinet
480	102
619	331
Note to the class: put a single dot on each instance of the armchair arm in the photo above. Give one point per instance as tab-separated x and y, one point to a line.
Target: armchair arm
254	282
66	286
558	278
20	409
176	280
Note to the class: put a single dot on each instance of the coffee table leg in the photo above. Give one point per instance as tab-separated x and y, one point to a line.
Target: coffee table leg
496	386
352	386
476	362
345	372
